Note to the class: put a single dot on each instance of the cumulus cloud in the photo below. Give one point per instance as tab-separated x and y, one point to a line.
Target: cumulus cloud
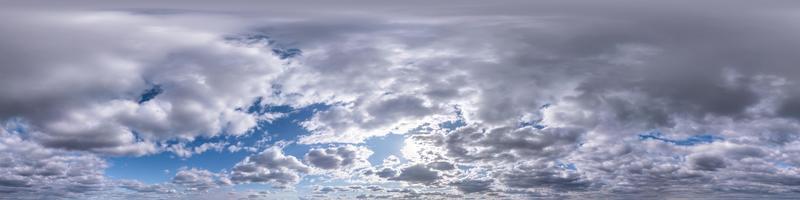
31	171
95	97
198	179
524	99
182	151
338	157
473	185
270	166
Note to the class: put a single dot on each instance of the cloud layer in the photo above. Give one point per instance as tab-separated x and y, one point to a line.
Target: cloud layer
521	100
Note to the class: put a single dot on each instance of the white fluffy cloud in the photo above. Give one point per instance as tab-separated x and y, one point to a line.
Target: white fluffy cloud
270	166
343	158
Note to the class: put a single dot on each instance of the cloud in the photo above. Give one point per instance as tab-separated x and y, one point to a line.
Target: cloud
521	100
182	151
29	170
706	162
95	99
386	173
193	179
442	165
547	177
503	144
473	186
338	157
270	166
354	123
417	174
140	187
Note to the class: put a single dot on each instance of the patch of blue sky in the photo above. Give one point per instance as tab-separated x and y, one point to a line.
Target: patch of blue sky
156	168
287	52
535	123
150	93
312	180
162	166
452	125
286	128
251	39
567	166
259	108
15	125
464	167
381	146
782	165
385	146
151	168
689	141
278	49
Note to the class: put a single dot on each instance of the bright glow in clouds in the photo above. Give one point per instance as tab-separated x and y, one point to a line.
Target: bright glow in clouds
379	100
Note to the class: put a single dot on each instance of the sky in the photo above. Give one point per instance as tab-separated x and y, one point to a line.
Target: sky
357	99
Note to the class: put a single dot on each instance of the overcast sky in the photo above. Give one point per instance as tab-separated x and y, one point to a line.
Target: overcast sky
400	100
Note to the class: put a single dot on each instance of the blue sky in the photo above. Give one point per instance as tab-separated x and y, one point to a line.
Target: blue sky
162	167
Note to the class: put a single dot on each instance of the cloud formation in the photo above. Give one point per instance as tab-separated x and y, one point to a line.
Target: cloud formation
198	179
270	166
31	171
338	157
577	99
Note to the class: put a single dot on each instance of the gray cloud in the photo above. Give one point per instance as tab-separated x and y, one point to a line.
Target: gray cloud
442	165
31	171
417	174
386	173
270	166
554	96
198	179
706	162
790	108
473	186
91	101
526	176
145	188
338	157
474	143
